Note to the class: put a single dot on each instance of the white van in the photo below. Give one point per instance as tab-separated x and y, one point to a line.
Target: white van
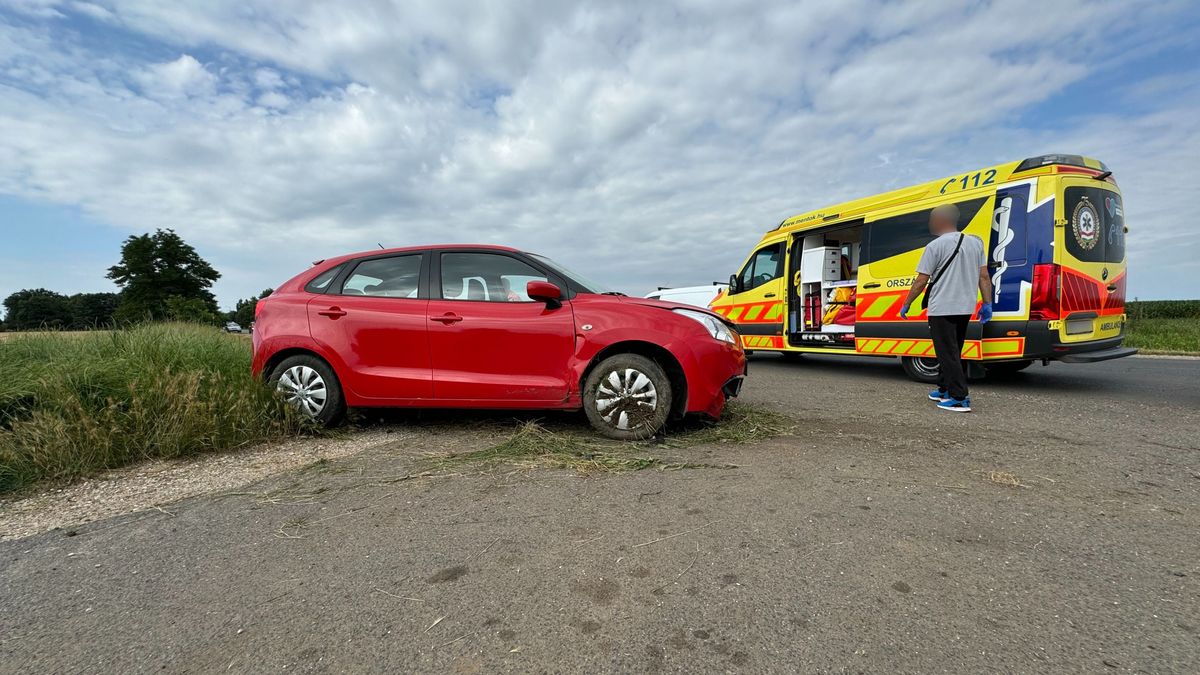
698	296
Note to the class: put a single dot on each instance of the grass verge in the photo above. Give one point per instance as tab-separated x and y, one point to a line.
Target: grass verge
1164	335
71	405
537	445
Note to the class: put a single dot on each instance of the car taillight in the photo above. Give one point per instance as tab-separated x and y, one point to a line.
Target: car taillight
258	307
1044	303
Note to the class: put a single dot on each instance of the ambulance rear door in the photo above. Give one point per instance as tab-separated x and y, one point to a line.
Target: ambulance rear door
1090	249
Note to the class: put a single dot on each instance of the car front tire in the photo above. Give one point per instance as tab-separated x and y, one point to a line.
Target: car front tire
310	386
627	397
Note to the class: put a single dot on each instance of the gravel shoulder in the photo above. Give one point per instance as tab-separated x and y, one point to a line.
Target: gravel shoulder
153	484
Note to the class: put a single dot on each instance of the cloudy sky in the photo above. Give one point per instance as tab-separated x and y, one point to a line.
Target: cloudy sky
644	144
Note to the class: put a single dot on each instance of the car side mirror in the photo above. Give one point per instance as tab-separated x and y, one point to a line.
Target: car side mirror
544	291
735	284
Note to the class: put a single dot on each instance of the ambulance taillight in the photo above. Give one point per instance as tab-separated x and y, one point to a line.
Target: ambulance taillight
1044	302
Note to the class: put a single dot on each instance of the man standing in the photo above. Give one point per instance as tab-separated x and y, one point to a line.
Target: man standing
954	268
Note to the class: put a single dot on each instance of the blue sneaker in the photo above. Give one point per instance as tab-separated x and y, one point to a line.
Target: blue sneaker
939	395
956	405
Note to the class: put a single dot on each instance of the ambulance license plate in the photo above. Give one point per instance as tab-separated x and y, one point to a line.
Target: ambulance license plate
1079	326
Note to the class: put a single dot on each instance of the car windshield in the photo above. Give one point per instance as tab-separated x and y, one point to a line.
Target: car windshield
582	284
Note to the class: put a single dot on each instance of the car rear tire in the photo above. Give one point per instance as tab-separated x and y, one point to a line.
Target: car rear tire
310	386
627	397
920	368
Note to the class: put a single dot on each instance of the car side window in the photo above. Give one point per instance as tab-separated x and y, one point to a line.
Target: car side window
486	277
394	277
765	265
320	283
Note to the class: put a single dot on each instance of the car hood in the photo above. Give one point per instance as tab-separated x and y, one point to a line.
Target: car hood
666	304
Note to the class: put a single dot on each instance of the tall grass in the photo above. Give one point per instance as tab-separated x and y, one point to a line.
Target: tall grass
1163	325
72	404
1164	335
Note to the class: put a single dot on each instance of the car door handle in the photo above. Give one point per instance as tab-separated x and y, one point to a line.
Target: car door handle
769	295
333	312
447	318
872	285
1112	288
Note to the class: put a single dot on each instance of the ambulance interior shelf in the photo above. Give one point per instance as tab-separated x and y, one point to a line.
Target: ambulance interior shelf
827	288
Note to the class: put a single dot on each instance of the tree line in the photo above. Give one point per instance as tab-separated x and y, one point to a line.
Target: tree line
160	277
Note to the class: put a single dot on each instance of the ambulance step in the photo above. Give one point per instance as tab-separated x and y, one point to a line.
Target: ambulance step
1101	355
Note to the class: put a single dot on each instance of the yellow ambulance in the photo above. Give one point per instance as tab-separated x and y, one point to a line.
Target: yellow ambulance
832	281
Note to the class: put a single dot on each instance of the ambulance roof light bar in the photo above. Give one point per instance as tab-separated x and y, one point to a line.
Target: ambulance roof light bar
1044	160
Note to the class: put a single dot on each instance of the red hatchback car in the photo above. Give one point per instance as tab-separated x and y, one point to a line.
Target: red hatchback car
489	327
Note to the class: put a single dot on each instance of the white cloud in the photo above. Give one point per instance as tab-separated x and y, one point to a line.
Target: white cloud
35	8
644	143
181	78
93	10
273	99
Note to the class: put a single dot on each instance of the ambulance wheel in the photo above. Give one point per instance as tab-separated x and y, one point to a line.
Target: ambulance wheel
921	368
1007	368
627	397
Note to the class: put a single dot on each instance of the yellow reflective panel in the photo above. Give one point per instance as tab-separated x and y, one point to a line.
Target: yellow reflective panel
879	306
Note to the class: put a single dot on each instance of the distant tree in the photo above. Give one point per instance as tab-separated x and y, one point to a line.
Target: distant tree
157	267
92	310
195	310
35	308
243	314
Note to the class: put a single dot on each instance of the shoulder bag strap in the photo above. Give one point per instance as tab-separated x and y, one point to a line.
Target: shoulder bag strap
942	270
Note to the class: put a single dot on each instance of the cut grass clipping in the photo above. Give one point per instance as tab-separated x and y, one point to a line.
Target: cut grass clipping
534	445
74	404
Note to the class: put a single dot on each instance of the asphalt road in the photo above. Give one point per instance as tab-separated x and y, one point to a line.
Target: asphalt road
874	539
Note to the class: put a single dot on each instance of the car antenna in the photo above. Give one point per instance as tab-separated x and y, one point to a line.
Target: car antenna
380	245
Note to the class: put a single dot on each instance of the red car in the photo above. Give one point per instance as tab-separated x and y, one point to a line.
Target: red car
489	327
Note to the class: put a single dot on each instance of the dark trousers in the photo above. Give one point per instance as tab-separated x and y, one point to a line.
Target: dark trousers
949	333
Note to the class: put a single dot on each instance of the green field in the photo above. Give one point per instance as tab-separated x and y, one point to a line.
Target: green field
1164	325
1164	335
75	403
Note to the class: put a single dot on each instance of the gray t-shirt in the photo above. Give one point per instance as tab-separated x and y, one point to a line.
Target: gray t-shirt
957	288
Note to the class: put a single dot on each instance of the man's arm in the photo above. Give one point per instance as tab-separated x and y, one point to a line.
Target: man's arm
985	285
913	292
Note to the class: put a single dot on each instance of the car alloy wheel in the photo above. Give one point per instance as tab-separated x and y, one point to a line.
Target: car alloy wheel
304	388
627	399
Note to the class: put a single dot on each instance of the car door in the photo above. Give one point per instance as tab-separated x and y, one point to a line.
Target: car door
488	341
375	322
755	303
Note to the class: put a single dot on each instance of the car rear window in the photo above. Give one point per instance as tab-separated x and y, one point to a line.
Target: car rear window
1095	224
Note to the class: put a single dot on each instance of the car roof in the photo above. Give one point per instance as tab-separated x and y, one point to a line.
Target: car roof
413	249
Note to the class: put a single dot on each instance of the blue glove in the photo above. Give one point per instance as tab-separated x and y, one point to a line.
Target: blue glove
904	312
985	313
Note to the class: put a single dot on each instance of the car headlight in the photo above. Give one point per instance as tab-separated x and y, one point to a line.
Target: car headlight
714	326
